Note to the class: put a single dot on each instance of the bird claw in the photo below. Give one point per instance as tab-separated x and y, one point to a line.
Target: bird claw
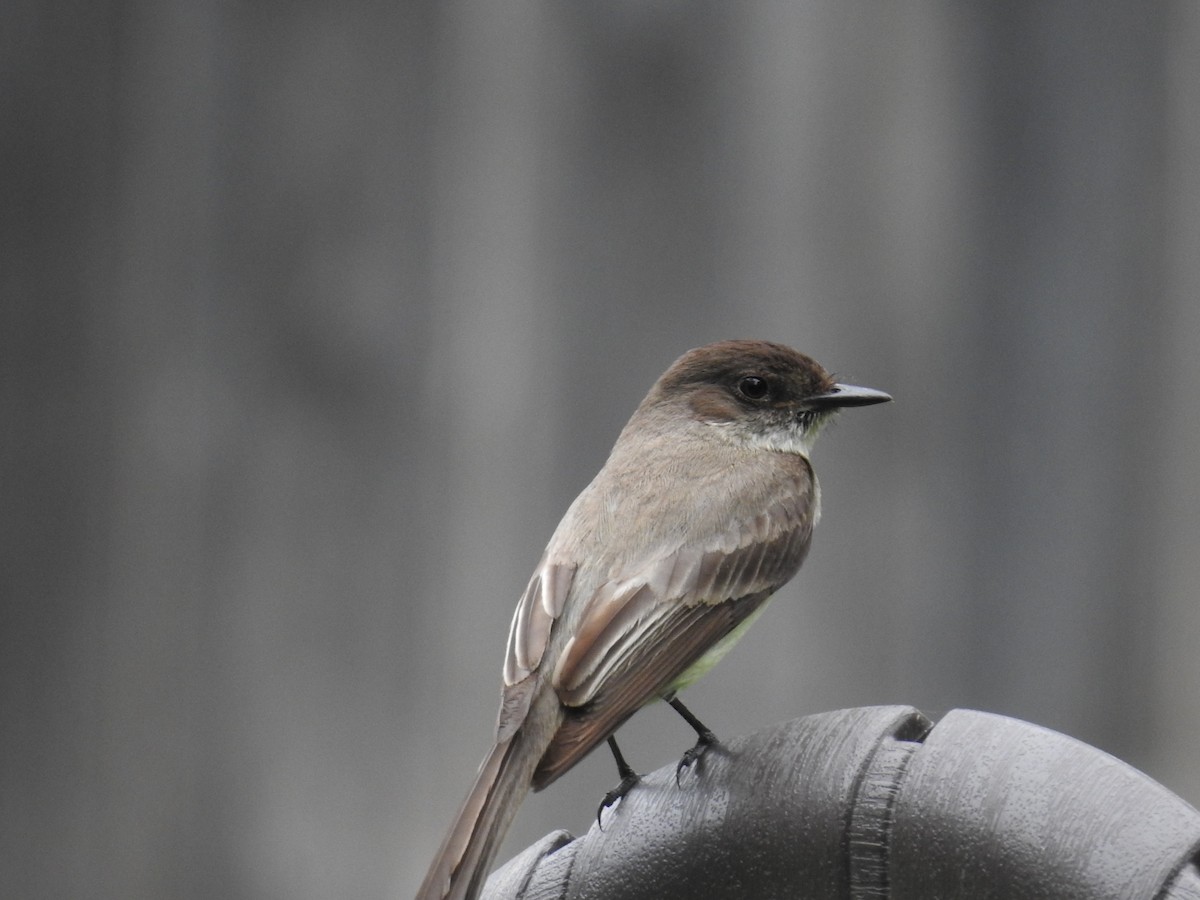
695	753
616	794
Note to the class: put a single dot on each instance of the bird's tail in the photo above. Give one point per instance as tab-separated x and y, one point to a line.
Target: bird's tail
461	866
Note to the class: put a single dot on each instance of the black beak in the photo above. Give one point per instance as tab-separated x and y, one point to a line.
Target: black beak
846	395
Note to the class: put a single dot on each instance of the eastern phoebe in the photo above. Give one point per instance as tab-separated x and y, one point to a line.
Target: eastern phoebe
705	507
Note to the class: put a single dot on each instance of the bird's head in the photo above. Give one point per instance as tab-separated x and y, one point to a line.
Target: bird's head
760	393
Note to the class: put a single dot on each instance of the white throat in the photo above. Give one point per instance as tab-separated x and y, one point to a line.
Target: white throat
796	440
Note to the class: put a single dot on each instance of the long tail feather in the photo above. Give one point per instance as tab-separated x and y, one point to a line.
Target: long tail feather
461	866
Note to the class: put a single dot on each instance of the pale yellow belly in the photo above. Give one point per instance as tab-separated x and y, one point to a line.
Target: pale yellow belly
713	655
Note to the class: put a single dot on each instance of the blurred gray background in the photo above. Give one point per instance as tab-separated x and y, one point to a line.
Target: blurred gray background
316	316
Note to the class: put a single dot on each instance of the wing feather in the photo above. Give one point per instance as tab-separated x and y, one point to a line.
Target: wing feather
688	632
537	611
609	636
614	617
639	634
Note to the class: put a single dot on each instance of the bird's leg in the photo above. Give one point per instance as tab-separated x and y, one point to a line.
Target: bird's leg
628	779
704	737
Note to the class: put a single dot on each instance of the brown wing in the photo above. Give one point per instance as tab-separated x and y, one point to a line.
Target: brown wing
528	637
638	634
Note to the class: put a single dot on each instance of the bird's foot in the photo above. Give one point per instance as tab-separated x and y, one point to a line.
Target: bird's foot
617	793
695	753
628	779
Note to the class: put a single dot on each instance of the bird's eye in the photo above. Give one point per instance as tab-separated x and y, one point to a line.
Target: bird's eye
753	388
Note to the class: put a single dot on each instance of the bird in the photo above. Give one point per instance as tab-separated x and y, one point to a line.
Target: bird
703	509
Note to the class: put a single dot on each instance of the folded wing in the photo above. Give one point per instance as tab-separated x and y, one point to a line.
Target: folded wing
641	631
